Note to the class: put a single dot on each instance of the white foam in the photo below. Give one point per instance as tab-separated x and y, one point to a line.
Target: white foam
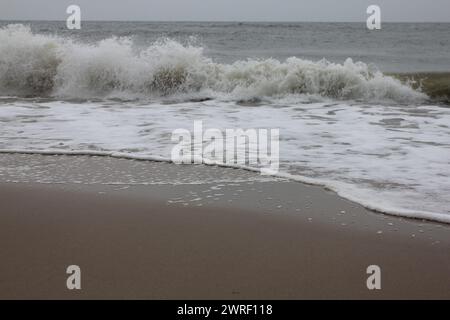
393	159
41	65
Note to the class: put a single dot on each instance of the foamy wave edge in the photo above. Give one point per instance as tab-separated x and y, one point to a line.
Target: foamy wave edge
328	185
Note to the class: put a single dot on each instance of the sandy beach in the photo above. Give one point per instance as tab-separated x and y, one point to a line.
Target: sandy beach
253	239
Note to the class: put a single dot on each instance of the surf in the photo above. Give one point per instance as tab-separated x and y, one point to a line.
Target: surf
36	65
435	84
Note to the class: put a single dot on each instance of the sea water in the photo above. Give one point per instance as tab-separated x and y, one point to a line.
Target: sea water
121	88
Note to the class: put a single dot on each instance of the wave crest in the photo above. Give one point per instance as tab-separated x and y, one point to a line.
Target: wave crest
42	65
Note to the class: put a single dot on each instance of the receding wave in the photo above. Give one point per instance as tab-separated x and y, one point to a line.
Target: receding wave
36	65
339	188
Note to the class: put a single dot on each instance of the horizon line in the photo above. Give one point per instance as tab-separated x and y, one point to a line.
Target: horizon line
221	21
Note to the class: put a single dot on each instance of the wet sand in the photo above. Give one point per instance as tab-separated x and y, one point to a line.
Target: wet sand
252	239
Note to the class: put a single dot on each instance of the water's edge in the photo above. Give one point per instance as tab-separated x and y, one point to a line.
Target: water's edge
328	185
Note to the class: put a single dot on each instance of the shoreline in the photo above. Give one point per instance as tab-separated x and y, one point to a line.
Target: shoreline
395	212
252	239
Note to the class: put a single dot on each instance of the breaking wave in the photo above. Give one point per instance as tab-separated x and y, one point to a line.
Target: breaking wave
36	65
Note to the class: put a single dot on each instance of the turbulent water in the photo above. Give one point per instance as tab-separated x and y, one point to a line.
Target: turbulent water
121	88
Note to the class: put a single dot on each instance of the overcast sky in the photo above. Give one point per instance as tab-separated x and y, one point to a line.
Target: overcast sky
228	10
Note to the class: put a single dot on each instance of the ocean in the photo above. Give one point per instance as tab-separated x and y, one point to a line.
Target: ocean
346	120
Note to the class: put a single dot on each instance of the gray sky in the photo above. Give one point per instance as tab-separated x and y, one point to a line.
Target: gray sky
228	10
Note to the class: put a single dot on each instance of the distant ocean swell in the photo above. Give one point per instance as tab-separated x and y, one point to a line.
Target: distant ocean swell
35	65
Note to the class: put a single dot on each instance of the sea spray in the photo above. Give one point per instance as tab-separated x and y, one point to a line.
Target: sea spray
49	66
